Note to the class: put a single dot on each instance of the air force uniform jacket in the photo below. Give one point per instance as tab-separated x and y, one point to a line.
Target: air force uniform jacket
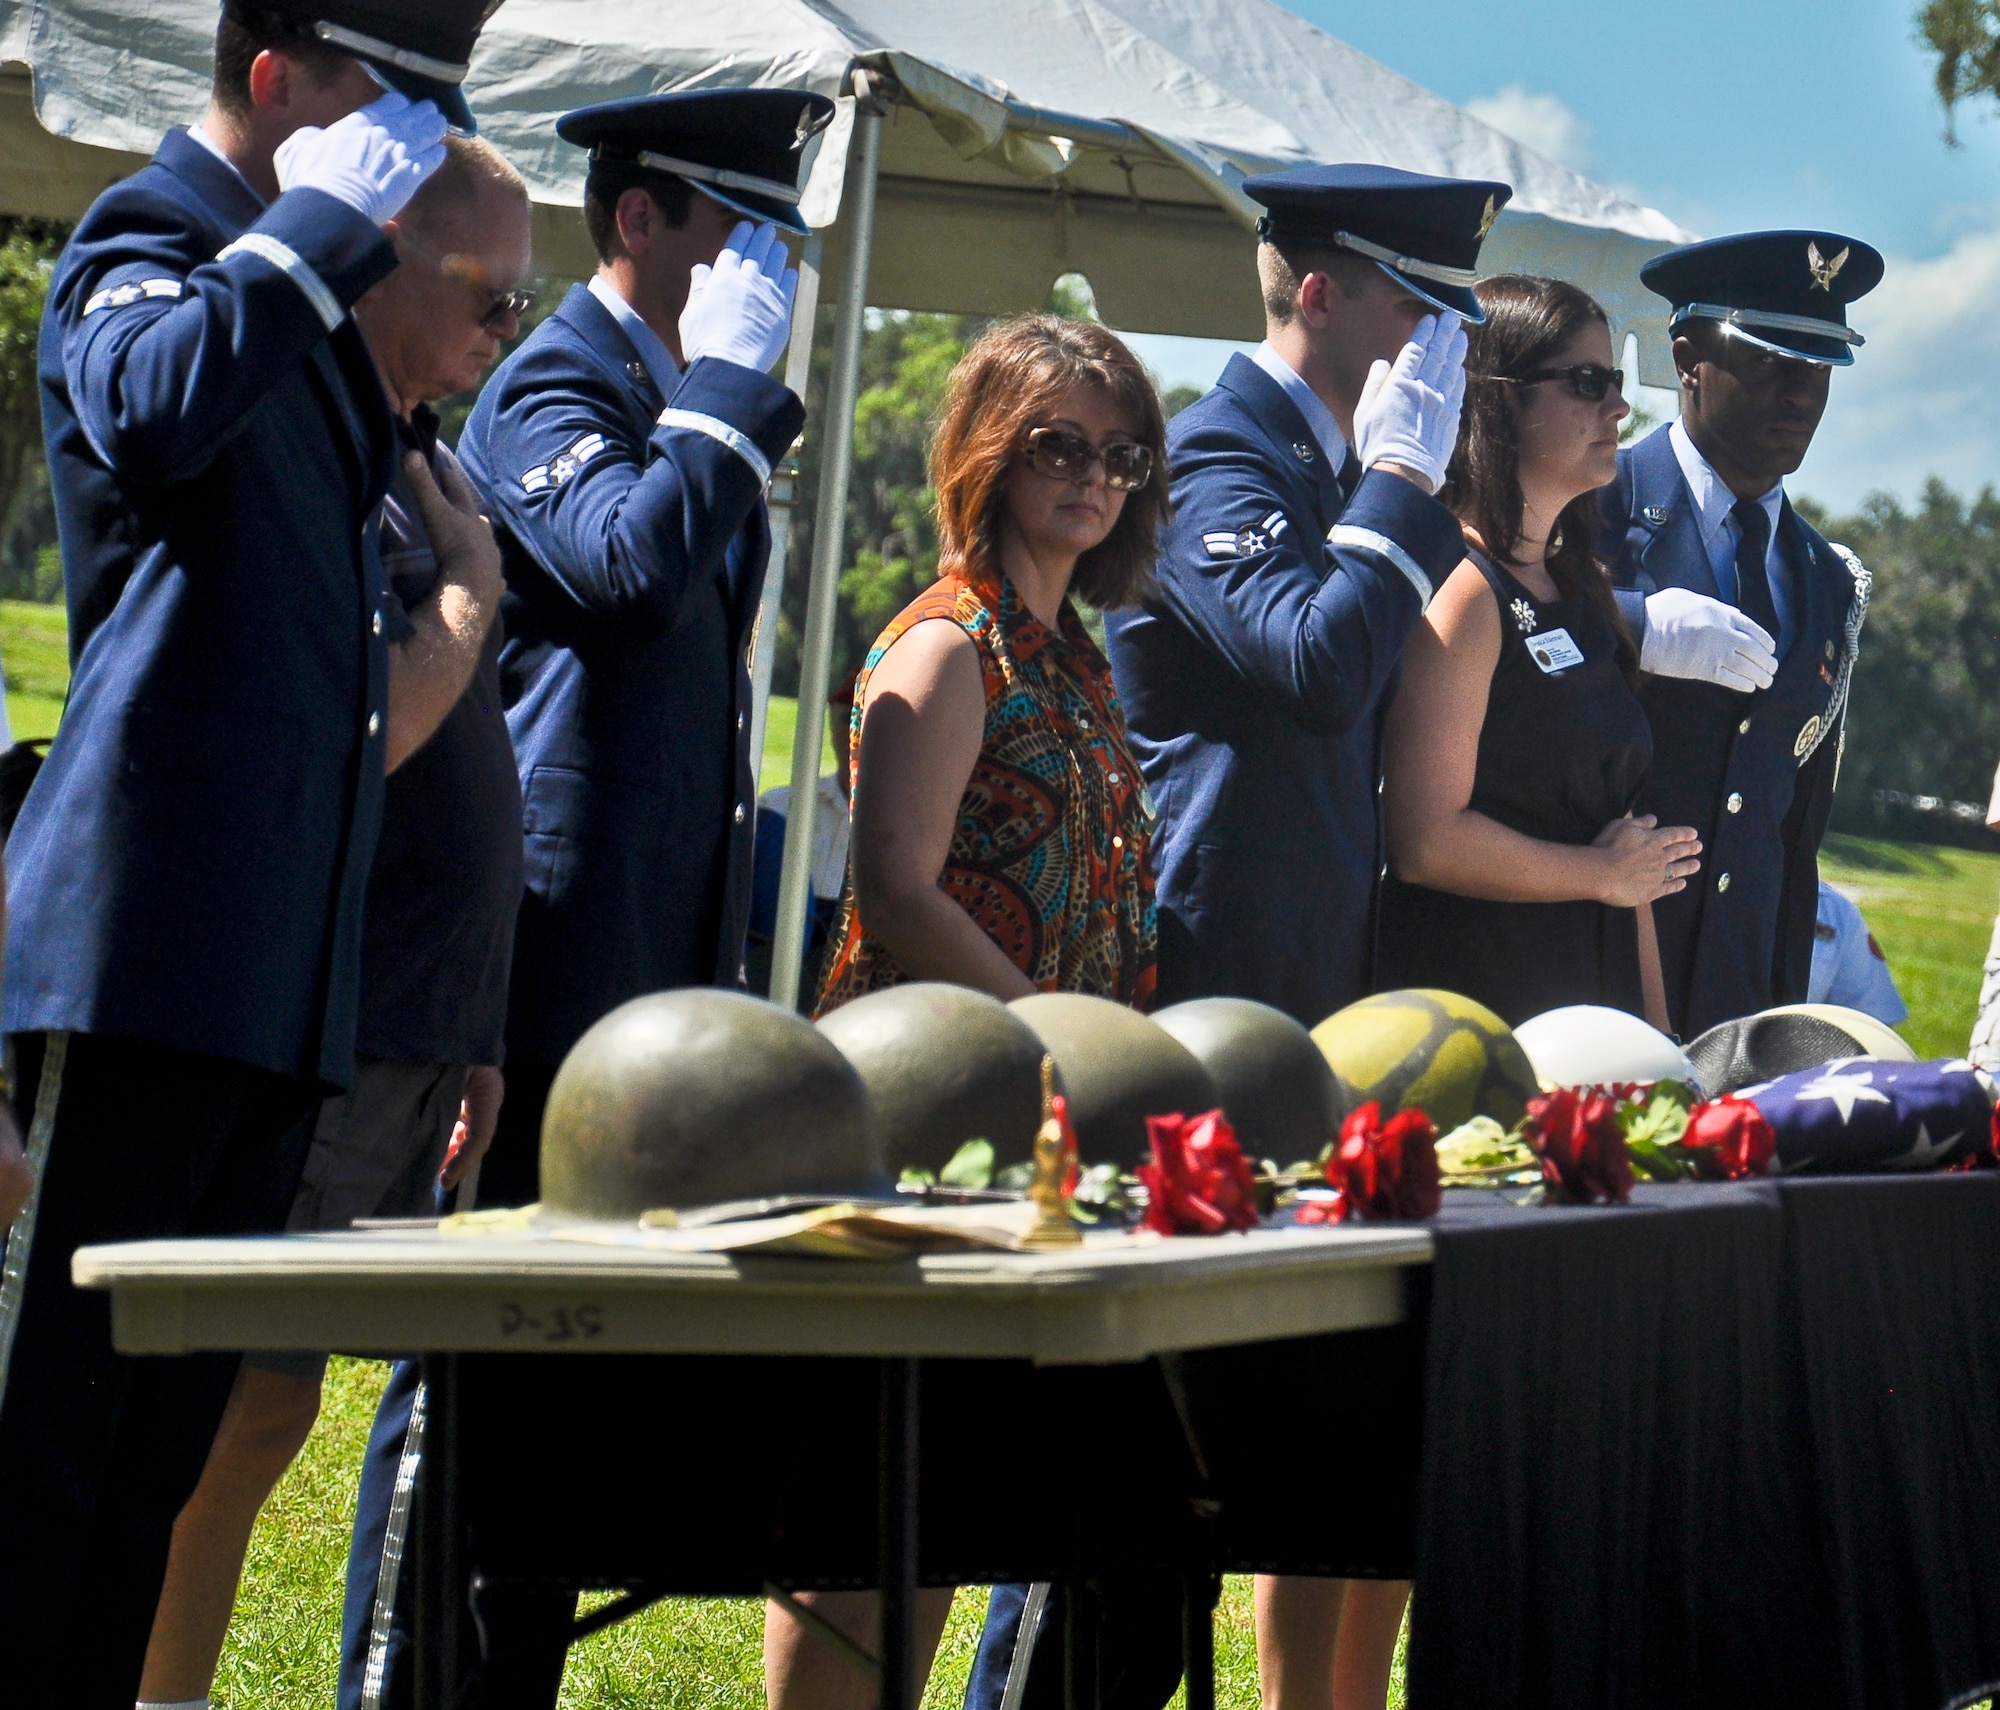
1255	682
189	866
635	536
1753	774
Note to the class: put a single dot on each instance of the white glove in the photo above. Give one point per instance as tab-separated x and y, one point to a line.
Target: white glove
740	310
1408	413
1710	641
373	160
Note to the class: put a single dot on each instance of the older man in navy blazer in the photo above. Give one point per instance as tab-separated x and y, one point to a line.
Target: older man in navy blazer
1749	619
187	872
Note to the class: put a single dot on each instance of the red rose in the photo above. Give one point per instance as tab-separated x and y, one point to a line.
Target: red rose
1199	1182
1730	1139
1332	1210
1387	1170
1582	1147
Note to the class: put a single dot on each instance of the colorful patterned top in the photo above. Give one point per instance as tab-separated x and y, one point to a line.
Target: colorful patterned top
1049	854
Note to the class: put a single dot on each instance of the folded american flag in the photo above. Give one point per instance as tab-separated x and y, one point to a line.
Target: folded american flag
1860	1114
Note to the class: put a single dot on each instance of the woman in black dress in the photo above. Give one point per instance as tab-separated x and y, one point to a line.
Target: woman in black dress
1516	746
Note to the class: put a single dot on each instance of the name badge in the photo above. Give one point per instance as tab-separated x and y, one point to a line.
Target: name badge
1553	650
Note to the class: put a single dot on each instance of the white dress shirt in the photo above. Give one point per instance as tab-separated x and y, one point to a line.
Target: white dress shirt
198	134
652	349
1720	532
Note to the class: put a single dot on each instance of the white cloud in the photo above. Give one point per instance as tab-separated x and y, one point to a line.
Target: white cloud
1920	398
1539	122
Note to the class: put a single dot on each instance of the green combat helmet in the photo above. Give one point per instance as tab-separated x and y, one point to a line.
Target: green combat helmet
943	1065
692	1097
1117	1069
1276	1088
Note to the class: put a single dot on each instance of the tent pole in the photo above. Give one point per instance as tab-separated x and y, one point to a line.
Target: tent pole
829	547
784	496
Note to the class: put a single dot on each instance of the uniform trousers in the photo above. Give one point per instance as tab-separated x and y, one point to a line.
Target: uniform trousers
1139	1645
99	1451
531	1628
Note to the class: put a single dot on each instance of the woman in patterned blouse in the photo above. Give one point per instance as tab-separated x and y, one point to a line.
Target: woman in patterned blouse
1000	822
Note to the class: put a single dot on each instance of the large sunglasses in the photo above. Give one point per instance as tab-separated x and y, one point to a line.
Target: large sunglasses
1065	456
1590	381
467	272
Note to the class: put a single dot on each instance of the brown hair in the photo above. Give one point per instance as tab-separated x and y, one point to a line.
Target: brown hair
608	180
1005	385
245	31
1282	268
451	196
1528	321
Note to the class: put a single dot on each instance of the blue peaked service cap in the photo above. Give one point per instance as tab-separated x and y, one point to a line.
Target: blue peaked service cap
1784	291
742	147
1424	232
421	48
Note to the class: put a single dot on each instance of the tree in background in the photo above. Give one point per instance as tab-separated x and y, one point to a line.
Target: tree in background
1923	719
1965	36
29	565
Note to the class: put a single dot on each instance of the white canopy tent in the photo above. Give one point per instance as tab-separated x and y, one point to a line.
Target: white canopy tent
1103	137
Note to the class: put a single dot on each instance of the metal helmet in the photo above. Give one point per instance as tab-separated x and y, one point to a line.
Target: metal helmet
943	1065
691	1097
1275	1086
1117	1069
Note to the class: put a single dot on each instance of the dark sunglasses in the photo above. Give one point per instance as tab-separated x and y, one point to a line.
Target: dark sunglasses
1065	456
1590	381
499	304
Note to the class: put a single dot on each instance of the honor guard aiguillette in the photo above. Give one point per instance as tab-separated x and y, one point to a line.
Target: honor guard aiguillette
1290	578
1749	618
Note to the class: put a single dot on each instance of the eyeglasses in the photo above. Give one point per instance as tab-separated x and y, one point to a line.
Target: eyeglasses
1065	456
500	305
1590	381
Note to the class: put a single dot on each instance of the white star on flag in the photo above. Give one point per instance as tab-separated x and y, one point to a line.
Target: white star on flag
1846	1091
1924	1153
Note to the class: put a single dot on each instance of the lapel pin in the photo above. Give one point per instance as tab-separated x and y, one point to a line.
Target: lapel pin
1304	451
1829	650
1655	514
1807	732
638	372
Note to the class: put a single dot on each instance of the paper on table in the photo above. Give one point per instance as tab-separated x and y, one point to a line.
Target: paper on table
834	1232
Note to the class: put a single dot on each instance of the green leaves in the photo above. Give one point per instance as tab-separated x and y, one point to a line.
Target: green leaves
971	1166
1965	36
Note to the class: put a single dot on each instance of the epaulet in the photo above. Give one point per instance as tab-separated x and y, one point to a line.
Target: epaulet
1857	615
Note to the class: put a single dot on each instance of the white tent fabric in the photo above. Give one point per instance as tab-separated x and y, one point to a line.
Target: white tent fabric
1030	138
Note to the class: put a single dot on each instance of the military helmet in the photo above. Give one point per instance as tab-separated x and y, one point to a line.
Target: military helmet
1794	1036
1117	1069
1438	1052
943	1065
1275	1087
691	1097
1593	1045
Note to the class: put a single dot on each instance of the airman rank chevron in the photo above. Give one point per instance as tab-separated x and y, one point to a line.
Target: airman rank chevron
1246	542
137	291
559	469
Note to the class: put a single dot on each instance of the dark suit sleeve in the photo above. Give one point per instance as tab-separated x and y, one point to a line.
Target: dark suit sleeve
167	348
630	529
1315	624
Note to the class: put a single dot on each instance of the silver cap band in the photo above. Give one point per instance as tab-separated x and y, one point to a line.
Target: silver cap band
1463	277
775	188
372	47
1769	320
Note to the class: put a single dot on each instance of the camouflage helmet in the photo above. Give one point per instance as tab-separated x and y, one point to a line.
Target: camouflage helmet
691	1097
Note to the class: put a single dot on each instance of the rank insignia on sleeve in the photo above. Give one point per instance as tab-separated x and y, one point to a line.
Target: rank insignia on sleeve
560	468
1246	542
137	291
1806	734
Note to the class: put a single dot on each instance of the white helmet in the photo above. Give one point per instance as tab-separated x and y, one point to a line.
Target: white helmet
1588	1044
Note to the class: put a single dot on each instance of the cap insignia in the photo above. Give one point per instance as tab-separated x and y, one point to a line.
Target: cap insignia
1490	213
810	124
1823	271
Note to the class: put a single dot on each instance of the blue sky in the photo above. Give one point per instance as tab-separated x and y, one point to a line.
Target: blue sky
1733	114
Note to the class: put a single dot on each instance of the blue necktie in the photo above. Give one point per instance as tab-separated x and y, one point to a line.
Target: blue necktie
1753	582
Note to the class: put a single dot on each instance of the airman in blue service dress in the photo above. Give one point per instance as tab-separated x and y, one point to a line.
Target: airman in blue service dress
628	497
186	874
1752	772
1256	680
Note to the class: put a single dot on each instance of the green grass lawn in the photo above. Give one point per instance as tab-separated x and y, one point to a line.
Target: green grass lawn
34	656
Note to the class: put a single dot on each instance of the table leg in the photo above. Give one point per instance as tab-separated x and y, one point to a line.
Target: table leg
439	1635
897	1532
1198	1642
